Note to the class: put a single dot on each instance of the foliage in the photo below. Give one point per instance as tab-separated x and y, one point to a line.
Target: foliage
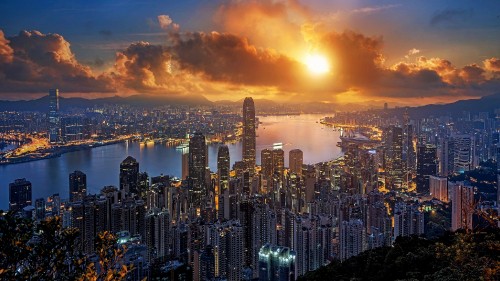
455	256
46	251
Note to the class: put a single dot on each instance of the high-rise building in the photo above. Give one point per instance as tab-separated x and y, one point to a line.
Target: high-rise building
223	167
295	160
393	139
447	157
276	263
279	162
463	154
40	208
439	188
408	220
249	136
77	186
54	120
19	194
266	162
351	238
426	166
157	233
462	205
197	169
129	175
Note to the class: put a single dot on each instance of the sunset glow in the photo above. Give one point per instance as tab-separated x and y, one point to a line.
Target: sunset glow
317	64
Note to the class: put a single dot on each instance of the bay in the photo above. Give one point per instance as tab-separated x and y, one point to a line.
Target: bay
101	164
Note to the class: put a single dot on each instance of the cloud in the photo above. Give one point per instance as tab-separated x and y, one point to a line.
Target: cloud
229	58
492	64
39	61
450	16
6	52
166	22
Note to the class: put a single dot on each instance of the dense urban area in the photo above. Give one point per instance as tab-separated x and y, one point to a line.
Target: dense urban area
402	180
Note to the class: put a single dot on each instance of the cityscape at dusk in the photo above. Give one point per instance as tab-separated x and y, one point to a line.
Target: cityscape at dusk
249	140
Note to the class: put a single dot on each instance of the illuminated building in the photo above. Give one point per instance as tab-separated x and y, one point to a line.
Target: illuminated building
77	186
157	233
197	169
279	162
249	136
393	139
462	153
276	263
351	238
408	220
223	167
439	188
54	120
426	166
129	175
19	195
295	160
266	160
462	205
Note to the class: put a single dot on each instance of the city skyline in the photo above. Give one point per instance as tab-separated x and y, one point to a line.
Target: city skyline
281	50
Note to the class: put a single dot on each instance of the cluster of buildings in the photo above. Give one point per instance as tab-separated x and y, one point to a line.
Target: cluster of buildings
277	221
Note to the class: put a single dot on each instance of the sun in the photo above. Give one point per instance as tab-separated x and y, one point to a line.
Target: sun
317	64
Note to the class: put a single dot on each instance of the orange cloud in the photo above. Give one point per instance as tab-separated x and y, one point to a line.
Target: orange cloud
36	62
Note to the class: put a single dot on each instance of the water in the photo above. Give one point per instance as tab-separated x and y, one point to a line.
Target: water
101	164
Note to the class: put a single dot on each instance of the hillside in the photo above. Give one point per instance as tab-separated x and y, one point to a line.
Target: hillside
455	256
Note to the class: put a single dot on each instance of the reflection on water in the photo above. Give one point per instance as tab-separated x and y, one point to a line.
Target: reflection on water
101	164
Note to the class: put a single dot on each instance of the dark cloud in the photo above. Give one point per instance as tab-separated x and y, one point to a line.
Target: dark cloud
41	61
229	58
450	16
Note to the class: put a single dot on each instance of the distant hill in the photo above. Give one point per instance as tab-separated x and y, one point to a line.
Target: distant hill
135	100
484	104
455	256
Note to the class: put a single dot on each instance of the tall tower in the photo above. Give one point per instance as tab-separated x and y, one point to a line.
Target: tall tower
279	162
197	169
249	134
77	186
393	139
426	166
296	159
462	205
223	167
129	175
54	121
19	195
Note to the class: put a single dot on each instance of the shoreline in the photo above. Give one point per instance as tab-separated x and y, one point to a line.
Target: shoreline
57	152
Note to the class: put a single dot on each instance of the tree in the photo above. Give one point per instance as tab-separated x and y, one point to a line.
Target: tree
47	251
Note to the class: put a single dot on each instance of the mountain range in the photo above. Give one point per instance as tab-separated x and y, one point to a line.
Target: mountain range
484	104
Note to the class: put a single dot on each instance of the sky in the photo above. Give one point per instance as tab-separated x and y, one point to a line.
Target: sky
404	52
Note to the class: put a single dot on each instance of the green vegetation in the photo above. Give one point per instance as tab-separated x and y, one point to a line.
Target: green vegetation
46	251
455	256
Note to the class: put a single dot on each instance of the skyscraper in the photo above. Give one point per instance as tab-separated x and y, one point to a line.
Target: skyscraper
393	139
278	162
439	188
426	166
463	153
266	161
19	195
462	205
197	169
296	159
223	167
129	175
77	186
54	121
249	134
276	263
